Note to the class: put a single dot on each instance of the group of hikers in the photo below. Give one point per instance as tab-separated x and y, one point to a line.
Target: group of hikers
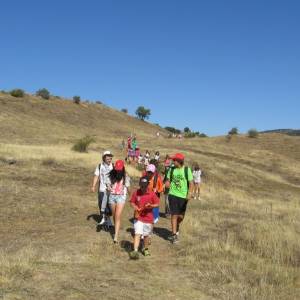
178	184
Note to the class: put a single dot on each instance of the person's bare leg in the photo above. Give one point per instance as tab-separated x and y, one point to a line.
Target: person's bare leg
179	220
117	219
174	220
136	242
146	241
113	210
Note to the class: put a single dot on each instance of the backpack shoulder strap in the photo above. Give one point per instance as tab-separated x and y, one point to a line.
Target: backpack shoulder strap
186	175
155	180
171	174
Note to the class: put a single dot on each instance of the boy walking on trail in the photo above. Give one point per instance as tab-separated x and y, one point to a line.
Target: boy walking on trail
101	176
143	201
180	182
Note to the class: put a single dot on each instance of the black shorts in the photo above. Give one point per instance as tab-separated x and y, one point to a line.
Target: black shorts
177	205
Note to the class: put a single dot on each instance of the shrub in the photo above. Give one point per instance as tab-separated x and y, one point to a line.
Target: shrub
173	130
124	110
233	131
3	92
44	93
76	99
49	162
186	130
82	144
98	102
203	135
190	135
252	133
19	93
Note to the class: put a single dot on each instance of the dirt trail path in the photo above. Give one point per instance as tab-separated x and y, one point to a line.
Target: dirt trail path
54	252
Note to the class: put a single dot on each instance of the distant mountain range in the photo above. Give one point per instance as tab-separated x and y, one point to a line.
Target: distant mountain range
284	131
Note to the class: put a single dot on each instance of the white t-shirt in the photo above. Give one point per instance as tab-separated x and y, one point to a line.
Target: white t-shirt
103	174
197	176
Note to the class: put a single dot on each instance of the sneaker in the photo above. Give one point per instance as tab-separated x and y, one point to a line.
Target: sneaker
146	252
102	221
174	239
134	255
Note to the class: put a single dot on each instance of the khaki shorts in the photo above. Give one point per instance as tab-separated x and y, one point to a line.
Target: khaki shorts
144	229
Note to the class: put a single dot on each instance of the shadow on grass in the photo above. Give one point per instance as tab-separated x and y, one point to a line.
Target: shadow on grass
126	246
162	232
104	227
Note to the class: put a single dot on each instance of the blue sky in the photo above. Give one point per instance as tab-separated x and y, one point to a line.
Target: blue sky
208	65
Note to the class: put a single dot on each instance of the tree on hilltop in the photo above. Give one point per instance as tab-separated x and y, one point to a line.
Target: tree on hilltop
142	113
44	93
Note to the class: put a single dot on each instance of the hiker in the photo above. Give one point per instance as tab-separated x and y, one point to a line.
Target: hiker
118	186
147	154
197	181
155	185
132	151
157	156
101	176
180	182
143	201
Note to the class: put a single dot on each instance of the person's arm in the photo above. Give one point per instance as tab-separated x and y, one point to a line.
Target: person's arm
154	202
191	184
191	188
94	184
133	202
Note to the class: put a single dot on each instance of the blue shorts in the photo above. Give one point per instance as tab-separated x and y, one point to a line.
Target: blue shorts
115	199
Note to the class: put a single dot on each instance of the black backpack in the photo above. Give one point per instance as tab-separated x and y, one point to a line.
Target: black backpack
186	170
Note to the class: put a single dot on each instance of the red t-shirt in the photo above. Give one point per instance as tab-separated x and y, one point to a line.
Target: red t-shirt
140	200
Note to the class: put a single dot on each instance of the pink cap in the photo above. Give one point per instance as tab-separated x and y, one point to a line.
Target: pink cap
150	168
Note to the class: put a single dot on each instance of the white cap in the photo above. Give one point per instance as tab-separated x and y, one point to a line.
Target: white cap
108	153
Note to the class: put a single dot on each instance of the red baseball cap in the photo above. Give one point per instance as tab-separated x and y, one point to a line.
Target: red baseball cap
119	165
177	156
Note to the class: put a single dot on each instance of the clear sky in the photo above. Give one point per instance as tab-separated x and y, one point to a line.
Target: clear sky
209	65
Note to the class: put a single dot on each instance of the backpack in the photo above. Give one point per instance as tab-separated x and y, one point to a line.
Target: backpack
186	170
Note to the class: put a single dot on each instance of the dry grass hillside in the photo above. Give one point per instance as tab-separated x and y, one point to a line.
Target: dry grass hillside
240	241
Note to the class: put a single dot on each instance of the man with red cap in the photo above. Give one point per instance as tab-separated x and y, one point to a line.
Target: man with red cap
179	181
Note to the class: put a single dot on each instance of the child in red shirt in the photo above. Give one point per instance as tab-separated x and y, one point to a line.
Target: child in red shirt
143	201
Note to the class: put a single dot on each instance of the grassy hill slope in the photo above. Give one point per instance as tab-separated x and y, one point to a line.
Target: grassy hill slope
240	241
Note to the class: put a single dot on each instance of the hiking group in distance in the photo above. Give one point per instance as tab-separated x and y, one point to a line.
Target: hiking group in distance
178	183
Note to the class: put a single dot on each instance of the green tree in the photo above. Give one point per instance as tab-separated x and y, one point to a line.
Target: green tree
233	131
186	130
44	93
142	113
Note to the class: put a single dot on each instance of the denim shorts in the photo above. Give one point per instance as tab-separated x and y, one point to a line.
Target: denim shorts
115	199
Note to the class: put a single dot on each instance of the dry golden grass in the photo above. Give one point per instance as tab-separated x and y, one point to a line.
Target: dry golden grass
241	241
